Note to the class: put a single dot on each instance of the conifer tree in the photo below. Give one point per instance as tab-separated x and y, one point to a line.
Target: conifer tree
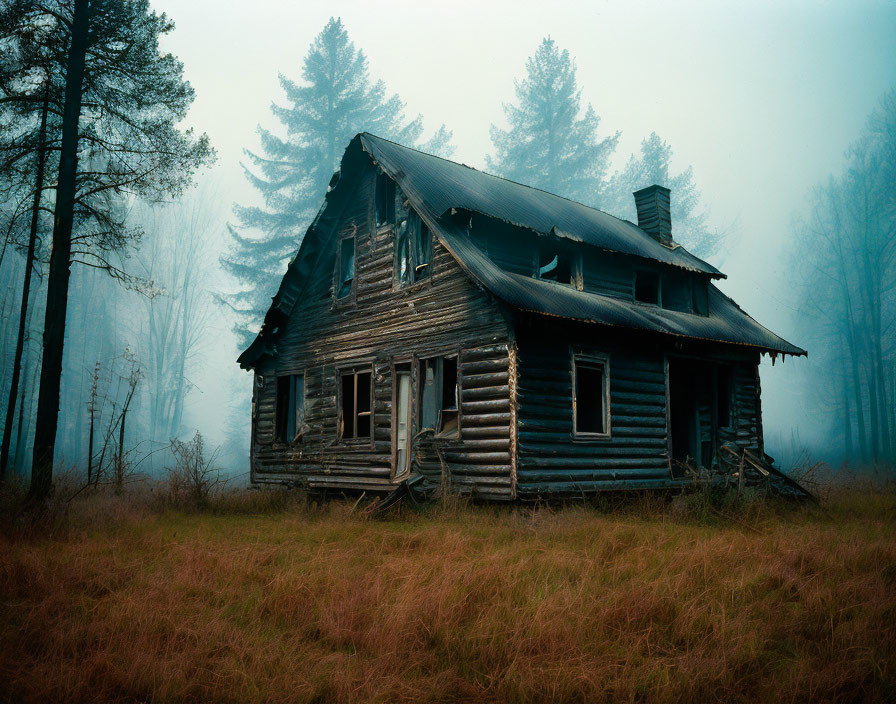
336	100
550	144
117	115
651	166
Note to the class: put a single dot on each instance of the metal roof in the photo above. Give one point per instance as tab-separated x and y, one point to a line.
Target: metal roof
437	186
440	185
726	321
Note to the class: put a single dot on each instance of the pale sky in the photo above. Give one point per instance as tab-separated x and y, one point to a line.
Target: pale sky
761	98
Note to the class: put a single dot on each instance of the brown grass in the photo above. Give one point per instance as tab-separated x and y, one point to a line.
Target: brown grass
269	600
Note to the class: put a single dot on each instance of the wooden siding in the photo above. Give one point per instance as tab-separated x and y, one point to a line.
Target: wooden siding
551	461
445	313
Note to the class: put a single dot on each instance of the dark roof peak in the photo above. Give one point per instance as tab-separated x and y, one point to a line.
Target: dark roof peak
441	185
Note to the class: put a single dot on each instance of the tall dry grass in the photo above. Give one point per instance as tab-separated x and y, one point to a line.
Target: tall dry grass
270	599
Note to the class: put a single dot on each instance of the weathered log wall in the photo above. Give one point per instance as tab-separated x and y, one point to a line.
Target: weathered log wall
443	314
551	461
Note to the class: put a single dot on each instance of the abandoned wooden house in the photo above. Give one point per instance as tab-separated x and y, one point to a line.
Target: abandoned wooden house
495	339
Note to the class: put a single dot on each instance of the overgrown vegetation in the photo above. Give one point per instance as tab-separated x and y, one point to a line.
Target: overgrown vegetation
265	596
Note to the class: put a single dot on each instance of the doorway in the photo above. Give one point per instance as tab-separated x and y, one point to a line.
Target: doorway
693	413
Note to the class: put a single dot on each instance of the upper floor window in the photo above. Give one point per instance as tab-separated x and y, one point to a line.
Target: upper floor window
345	267
700	290
413	250
289	418
591	396
384	200
647	287
554	265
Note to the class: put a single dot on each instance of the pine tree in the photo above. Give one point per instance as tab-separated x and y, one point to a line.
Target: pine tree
549	145
336	100
121	102
650	167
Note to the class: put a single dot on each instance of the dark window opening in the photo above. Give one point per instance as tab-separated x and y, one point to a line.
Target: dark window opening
413	250
677	292
384	200
281	412
647	287
448	419
346	274
289	417
355	415
590	400
439	395
555	266
723	397
701	296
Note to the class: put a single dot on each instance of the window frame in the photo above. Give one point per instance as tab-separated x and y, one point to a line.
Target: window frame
438	383
381	176
350	297
354	369
282	435
414	265
594	359
577	278
698	285
402	365
659	286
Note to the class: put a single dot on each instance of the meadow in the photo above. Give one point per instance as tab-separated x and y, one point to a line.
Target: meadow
270	598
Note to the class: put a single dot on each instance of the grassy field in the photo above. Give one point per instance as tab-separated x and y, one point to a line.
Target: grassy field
645	602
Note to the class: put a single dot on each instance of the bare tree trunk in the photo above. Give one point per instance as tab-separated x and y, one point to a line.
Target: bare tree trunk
847	419
60	263
26	287
93	389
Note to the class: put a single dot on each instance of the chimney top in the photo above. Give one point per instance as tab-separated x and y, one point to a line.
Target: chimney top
654	206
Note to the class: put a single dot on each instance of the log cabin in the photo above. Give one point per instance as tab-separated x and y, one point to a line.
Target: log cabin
495	339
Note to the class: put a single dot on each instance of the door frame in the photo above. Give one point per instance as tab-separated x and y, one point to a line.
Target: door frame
402	365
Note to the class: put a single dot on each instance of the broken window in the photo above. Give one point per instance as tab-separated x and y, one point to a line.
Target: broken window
345	277
384	200
439	395
289	414
723	396
356	402
555	266
647	287
591	396
413	250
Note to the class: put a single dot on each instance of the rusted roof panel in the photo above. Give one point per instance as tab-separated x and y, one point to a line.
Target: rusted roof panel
441	185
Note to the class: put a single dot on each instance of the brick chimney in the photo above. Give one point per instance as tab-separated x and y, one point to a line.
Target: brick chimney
654	207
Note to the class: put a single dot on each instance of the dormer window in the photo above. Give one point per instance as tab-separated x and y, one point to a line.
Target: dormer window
384	200
413	250
555	265
345	267
647	287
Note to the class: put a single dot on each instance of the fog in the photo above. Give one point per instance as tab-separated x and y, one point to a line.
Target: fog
762	99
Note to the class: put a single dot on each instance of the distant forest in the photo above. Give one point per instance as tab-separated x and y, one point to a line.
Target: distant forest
109	282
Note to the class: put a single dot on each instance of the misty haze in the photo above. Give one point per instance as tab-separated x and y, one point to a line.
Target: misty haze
469	352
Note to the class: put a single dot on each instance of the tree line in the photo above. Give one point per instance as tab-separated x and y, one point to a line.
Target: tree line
844	258
94	171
